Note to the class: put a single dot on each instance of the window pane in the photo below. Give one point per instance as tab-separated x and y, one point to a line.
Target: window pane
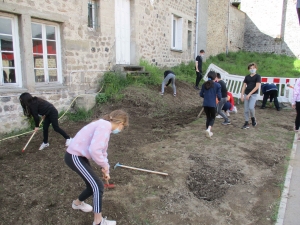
90	15
7	59
52	75
51	47
5	75
50	32
37	46
39	75
6	43
52	61
189	39
12	76
38	61
36	30
5	26
174	32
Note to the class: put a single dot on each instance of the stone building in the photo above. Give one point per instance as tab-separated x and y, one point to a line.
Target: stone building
60	49
272	26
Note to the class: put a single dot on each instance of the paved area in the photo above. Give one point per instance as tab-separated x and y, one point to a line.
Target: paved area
289	210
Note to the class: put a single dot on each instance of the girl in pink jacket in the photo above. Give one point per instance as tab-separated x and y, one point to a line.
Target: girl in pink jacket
91	142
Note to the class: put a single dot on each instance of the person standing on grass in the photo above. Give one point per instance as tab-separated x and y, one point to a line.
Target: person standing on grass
198	67
223	100
270	91
91	142
296	105
169	77
34	106
210	91
249	94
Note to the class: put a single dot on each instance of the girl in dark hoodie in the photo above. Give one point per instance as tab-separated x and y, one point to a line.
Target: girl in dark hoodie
210	91
34	106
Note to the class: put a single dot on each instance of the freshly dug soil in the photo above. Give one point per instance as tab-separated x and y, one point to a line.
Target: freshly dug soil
232	179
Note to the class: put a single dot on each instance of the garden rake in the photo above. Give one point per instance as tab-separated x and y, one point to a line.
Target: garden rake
23	150
134	168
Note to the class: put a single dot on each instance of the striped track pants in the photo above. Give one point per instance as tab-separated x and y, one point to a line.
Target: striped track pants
94	186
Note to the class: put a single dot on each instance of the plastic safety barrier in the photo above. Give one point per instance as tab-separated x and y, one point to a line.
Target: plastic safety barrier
235	83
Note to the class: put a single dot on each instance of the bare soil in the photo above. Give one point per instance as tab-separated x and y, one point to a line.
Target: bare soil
235	178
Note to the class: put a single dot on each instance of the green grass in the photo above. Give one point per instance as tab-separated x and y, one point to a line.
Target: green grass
80	115
269	65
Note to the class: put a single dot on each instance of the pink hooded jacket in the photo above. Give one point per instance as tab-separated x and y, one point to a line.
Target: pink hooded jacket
296	94
92	142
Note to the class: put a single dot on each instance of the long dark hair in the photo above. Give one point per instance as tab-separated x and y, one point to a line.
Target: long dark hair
211	77
26	100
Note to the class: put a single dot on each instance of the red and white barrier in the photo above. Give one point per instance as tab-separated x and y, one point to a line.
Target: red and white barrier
235	83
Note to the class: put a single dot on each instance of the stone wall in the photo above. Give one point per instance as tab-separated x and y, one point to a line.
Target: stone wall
11	113
271	26
87	53
219	25
153	31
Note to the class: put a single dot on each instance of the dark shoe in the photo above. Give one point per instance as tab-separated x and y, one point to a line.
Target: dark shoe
262	107
226	122
278	109
197	88
246	125
254	123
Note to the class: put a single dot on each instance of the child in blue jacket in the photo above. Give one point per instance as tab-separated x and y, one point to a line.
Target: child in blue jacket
210	91
270	91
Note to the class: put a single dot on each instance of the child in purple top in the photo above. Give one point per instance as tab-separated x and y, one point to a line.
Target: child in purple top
91	142
296	104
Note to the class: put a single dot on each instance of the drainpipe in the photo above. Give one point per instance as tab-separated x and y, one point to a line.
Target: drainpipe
227	42
197	22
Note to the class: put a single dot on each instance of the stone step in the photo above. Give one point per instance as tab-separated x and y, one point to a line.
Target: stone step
137	73
133	68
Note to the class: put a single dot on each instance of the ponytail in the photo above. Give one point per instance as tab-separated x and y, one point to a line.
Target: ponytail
210	81
117	116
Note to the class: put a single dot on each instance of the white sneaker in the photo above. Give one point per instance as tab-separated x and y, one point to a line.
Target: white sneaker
234	109
43	145
219	117
208	133
68	141
83	207
106	222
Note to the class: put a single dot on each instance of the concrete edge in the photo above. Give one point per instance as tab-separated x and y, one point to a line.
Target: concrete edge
287	182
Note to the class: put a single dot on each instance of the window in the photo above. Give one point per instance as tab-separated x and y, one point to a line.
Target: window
176	32
46	53
10	52
189	36
93	8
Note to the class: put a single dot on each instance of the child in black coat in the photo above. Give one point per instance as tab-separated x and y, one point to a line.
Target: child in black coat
34	106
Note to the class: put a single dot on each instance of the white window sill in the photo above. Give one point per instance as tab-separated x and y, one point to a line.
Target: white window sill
176	50
12	89
48	87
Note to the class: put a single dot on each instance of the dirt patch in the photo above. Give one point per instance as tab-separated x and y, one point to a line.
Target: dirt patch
232	179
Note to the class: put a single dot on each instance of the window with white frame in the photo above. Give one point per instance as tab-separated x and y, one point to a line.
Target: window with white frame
46	53
177	23
10	52
93	9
